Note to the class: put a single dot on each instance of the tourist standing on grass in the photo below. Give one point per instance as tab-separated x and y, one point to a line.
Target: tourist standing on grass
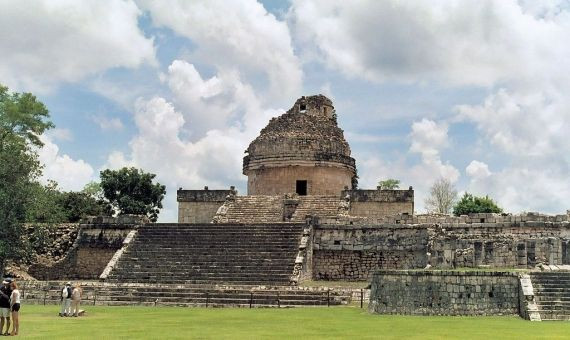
15	308
76	299
66	300
5	293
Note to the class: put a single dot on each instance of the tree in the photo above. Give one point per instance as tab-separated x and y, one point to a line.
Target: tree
442	197
473	204
44	205
22	120
389	184
131	191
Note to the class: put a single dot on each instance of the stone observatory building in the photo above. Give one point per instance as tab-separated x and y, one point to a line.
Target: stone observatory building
302	151
300	165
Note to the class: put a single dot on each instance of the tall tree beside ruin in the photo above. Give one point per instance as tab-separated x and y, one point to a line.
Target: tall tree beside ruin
22	120
469	204
389	184
442	197
132	191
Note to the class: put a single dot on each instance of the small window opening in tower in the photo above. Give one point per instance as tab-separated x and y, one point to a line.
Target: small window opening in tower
301	189
302	107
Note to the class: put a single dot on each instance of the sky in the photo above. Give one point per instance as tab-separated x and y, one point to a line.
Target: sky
472	91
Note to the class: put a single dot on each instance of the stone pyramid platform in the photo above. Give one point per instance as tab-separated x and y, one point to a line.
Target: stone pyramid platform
250	254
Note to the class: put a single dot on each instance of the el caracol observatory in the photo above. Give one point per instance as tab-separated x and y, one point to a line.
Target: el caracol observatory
302	151
299	165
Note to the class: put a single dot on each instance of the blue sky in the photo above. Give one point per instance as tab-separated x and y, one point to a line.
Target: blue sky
475	92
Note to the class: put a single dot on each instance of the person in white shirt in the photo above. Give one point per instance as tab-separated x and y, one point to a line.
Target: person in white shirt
15	308
66	300
75	299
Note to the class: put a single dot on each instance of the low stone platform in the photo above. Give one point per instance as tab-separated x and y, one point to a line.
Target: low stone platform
116	294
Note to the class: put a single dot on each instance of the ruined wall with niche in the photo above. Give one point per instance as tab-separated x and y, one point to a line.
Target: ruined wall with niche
353	251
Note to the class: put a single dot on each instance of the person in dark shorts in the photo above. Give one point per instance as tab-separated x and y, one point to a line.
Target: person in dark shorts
15	308
5	293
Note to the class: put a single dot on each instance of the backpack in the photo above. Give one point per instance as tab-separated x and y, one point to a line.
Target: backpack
66	293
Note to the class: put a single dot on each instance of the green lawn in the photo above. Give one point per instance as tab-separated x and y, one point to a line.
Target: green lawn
298	323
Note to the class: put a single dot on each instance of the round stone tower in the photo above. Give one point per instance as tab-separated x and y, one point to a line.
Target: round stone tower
302	151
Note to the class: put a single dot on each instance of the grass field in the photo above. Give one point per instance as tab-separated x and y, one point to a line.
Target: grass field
42	322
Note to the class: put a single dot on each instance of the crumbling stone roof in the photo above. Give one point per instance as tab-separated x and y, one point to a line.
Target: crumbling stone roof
306	132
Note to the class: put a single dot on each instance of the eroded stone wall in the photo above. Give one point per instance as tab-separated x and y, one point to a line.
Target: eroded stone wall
197	212
200	206
353	252
94	247
444	293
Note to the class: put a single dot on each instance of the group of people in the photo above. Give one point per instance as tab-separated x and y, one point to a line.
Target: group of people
9	307
70	300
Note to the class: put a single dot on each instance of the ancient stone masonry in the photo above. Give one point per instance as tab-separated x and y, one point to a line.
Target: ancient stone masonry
97	241
354	251
200	206
302	151
445	293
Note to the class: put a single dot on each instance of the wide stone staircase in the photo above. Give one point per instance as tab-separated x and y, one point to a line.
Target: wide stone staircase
120	294
322	206
552	294
251	254
251	209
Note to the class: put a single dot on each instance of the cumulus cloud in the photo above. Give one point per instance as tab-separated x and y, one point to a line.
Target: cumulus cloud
230	33
165	145
477	170
428	138
480	42
70	174
46	42
106	123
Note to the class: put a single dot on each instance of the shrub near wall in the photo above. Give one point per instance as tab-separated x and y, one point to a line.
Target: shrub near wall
444	293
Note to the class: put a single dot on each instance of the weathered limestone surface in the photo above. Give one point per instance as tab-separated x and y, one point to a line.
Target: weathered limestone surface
93	248
444	293
305	143
200	206
354	251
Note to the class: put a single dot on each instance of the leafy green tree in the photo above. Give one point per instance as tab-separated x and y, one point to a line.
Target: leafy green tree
473	204
44	204
78	205
94	190
389	184
132	191
22	120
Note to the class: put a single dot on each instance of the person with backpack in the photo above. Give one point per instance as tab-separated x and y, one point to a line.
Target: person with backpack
5	293
66	293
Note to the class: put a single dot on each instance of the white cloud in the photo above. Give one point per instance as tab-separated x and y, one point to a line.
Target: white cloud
478	42
165	145
477	170
106	123
428	139
230	34
43	43
70	174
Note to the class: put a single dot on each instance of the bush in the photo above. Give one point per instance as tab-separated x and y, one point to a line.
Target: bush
472	204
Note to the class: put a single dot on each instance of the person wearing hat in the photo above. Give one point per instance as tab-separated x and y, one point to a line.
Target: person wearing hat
66	300
5	293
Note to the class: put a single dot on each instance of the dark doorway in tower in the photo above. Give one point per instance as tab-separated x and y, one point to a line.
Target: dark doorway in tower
301	188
